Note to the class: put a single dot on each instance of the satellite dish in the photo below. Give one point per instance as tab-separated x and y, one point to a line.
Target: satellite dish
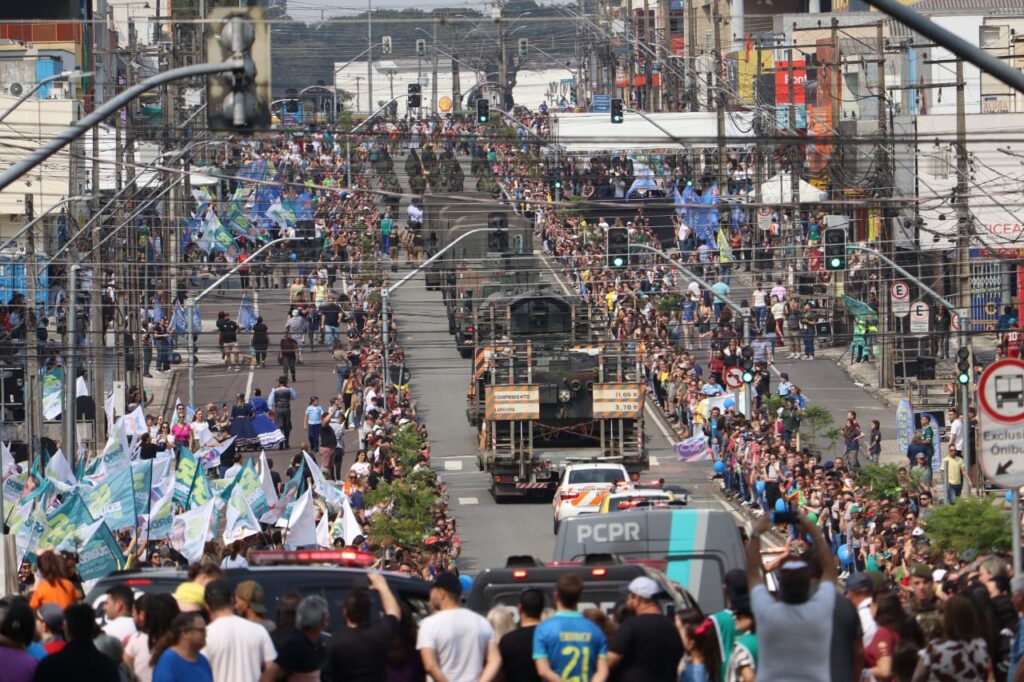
16	89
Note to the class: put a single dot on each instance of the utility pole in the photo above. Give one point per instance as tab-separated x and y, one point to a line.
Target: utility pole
794	152
720	101
759	128
666	55
885	361
369	55
433	76
691	55
963	246
836	178
648	70
136	291
32	411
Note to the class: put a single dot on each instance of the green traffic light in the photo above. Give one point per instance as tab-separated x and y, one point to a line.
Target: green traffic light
748	377
963	378
836	262
618	261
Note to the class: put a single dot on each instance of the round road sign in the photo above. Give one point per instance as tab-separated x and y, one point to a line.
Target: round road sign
1001	391
734	377
899	291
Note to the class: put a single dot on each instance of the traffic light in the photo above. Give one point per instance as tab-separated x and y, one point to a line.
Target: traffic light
238	100
421	48
618	247
835	248
963	366
524	47
497	238
558	183
616	110
385	44
414	96
483	111
747	364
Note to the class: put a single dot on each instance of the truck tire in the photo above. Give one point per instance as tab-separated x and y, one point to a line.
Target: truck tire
498	497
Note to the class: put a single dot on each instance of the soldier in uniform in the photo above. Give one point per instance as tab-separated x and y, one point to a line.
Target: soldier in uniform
925	606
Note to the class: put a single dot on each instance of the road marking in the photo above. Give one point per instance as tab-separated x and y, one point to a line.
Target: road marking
468	500
653	461
252	367
453	465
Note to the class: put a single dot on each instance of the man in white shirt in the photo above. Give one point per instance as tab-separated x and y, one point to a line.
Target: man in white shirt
455	643
956	431
860	588
118	611
237	649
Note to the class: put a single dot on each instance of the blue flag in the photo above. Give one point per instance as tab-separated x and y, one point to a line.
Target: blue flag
197	323
246	314
178	322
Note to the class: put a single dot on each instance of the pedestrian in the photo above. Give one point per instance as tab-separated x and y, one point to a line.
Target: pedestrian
961	654
647	645
924	604
296	327
852	436
808	328
178	657
281	403
875	442
52	585
788	649
311	421
118	608
328	444
301	655
330	320
567	645
455	643
154	614
147	349
249	604
236	648
954	472
288	356
516	648
79	659
359	651
260	342
17	631
228	329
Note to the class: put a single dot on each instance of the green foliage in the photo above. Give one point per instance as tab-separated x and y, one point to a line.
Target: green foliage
816	418
972	523
884	480
667	304
832	435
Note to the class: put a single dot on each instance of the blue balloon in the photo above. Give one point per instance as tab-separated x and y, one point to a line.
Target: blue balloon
759	485
719	467
1009	497
295	257
780	505
844	554
466	582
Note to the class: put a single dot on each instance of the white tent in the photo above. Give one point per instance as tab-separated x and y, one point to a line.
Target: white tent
593	132
779	191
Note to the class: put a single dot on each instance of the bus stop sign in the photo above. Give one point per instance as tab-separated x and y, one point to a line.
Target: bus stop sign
1001	398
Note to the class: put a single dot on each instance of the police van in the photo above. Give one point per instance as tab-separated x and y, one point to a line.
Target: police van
694	547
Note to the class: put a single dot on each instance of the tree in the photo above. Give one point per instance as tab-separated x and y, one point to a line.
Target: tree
972	523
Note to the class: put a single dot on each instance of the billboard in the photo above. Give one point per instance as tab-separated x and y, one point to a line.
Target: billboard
782	70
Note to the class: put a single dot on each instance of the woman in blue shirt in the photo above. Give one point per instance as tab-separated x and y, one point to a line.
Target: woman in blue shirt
313	418
177	658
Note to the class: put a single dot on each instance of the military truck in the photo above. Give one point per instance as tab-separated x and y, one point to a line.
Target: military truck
548	384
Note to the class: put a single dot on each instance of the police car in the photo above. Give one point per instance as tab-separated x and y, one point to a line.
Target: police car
643	497
583	487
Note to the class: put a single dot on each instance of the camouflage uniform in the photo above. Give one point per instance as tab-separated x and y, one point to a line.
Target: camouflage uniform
928	615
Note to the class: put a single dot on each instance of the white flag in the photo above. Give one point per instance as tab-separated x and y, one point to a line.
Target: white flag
7	463
108	407
331	493
59	472
350	528
81	388
301	524
266	481
135	423
323	532
241	522
190	530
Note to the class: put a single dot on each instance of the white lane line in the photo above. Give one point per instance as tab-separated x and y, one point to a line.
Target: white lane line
252	367
453	465
468	500
653	461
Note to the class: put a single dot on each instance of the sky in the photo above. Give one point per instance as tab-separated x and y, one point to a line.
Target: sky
310	10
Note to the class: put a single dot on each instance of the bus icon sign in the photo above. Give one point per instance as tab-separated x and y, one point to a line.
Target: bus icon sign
1001	391
1001	423
1010	388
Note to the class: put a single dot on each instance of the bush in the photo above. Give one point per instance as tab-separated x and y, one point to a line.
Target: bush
884	481
972	523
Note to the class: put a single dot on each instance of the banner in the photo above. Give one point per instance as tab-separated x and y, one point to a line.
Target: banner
267	481
59	472
323	532
114	500
51	393
281	512
331	494
62	523
693	449
190	530
241	521
185	477
161	517
904	425
31	532
210	456
99	554
351	530
142	484
14	487
301	523
201	490
7	463
248	481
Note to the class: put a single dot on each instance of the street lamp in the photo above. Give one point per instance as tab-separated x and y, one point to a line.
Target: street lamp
69	75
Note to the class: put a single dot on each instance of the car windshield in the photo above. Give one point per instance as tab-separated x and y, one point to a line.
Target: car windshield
595	476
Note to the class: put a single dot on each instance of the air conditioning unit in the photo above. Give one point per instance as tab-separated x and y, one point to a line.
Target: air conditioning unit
15	89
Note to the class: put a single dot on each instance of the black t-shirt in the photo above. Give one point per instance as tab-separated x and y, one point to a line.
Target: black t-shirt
228	331
331	313
299	655
517	655
650	648
361	654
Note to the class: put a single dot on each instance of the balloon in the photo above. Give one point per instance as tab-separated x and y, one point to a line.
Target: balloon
1009	496
295	257
780	505
759	485
844	554
466	582
812	516
719	467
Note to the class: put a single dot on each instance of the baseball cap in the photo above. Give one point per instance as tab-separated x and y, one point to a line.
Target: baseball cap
920	570
860	582
449	582
53	616
644	587
251	592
